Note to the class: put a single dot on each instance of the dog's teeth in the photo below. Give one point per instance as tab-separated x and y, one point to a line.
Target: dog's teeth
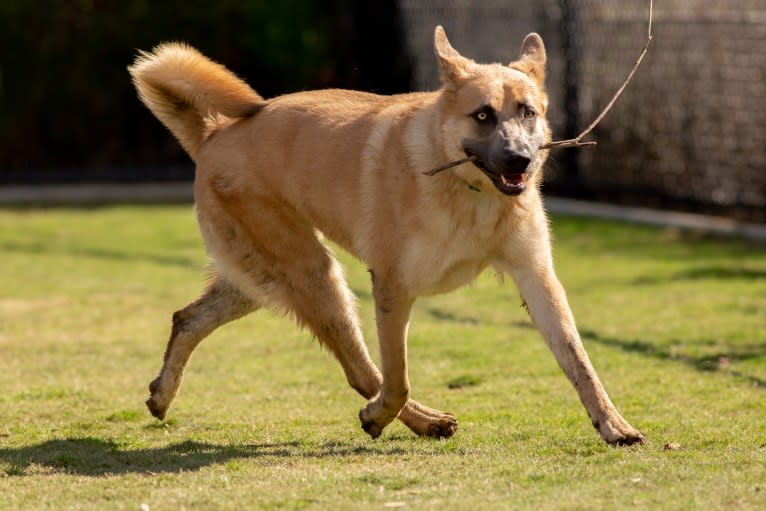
504	181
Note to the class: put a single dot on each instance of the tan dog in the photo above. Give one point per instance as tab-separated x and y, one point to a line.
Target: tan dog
274	174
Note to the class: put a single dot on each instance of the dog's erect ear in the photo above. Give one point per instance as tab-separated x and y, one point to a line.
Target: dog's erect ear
532	58
452	65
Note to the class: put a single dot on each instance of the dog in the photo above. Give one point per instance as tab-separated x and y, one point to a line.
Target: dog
274	177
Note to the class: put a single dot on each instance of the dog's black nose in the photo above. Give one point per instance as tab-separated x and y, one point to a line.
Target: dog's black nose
514	161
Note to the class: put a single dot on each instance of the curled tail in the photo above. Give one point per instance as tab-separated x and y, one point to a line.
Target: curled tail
184	89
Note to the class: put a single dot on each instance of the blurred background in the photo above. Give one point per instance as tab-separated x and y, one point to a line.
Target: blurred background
689	133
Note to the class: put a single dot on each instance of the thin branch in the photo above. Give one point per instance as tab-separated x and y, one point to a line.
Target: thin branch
449	165
577	141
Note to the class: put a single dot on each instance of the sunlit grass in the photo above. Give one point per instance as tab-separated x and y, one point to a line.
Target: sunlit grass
675	327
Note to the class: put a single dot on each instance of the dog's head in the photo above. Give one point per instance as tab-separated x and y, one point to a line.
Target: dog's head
495	113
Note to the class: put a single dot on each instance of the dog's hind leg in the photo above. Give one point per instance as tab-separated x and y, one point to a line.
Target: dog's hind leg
278	259
220	303
325	304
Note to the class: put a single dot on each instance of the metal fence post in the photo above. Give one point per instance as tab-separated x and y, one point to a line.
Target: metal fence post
570	29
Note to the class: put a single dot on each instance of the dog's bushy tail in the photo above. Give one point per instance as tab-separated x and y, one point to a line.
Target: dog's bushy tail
183	88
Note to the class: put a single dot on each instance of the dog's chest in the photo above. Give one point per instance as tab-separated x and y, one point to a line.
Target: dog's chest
446	253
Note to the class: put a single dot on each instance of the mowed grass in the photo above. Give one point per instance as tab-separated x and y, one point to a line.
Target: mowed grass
674	325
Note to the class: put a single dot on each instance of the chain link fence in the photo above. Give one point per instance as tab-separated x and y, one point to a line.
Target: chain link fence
690	130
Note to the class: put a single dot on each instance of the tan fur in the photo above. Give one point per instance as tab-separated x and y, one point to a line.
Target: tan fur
186	90
274	176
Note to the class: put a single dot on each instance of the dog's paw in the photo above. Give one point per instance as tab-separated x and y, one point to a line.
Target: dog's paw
429	422
372	424
634	437
156	410
618	432
443	427
376	416
369	426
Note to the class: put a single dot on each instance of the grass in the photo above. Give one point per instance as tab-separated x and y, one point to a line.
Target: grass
674	325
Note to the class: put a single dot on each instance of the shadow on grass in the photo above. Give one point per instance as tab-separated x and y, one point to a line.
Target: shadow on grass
707	363
705	273
362	294
112	255
97	457
444	315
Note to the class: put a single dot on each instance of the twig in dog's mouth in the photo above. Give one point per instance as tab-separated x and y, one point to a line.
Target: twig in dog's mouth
577	141
450	165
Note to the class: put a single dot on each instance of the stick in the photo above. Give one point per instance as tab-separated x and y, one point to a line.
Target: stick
449	165
577	141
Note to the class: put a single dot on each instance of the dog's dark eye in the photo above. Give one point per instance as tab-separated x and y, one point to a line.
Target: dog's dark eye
484	116
529	113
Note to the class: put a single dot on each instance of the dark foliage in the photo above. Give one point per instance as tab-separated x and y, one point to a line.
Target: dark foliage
66	99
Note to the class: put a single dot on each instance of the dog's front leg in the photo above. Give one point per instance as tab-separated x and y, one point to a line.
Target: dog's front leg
392	314
548	307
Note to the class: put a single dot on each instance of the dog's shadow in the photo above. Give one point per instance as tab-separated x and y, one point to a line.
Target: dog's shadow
708	363
98	457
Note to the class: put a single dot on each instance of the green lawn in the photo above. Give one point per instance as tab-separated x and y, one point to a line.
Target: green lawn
676	328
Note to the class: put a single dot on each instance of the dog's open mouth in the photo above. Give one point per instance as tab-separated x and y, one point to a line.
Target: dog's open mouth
509	184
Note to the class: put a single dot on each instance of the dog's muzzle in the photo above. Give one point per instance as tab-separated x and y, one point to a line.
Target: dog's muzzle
509	174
